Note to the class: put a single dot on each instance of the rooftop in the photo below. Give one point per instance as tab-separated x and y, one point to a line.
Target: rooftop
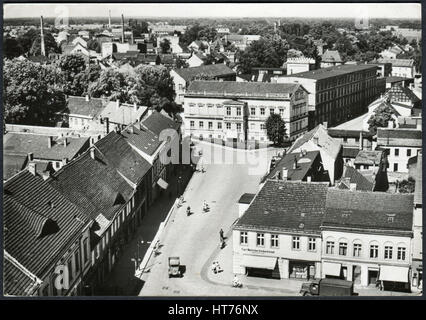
335	71
122	113
141	137
211	70
89	107
353	176
286	206
398	62
157	122
399	137
369	157
331	56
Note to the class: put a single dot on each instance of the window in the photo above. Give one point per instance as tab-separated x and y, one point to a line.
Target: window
210	125
243	237
238	126
396	152
329	249
192	124
271	110
388	252
228	111
262	111
228	126
238	111
282	112
374	251
253	111
295	243
260	239
401	253
262	126
274	241
312	244
357	249
395	167
201	124
219	125
343	248
408	152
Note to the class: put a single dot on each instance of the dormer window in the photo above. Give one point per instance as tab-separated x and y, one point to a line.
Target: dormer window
390	217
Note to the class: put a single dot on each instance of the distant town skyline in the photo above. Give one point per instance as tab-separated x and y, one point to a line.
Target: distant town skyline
218	10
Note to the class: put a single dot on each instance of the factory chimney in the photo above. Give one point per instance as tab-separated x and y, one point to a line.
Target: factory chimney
42	48
122	28
109	20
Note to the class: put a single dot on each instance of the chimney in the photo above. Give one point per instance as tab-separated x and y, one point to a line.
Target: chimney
325	124
315	140
107	124
46	175
30	157
92	153
309	179
361	142
87	98
352	186
419	125
42	47
132	129
64	161
65	142
32	168
295	163
122	28
135	106
109	20
49	142
284	174
390	124
118	103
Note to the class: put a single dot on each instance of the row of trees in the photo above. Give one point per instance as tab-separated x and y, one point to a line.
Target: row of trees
33	93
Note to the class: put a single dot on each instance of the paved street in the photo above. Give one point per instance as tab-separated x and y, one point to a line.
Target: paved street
195	238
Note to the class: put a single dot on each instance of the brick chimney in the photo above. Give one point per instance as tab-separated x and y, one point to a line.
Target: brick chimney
285	174
92	153
352	186
30	157
46	175
118	103
65	142
87	98
64	161
32	168
49	142
135	106
295	163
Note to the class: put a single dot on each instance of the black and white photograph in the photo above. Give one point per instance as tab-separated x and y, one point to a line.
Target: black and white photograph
212	150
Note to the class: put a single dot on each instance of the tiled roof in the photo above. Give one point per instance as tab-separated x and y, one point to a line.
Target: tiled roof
39	222
122	114
329	72
340	133
398	62
93	185
331	56
395	91
242	89
328	144
122	157
24	143
393	79
304	164
142	138
211	70
16	281
352	175
369	157
79	106
157	122
286	206
12	164
369	210
349	152
399	137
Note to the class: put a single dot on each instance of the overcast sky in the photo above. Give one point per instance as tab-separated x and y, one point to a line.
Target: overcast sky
349	10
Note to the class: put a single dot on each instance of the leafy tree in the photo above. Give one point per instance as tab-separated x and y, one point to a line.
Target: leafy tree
112	84
165	46
406	186
275	129
30	93
381	117
27	39
73	67
11	48
94	45
49	44
181	63
202	76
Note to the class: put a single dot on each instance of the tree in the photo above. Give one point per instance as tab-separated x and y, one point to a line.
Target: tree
165	46
30	93
406	186
181	63
27	39
94	45
73	67
381	117
49	45
11	48
275	129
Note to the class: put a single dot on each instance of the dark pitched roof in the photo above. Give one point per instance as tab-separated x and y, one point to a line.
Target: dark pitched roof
24	143
142	138
39	222
369	210
349	152
286	206
352	175
246	198
121	155
329	72
211	70
12	164
79	106
369	157
157	122
399	137
341	133
395	93
304	164
16	281
93	185
242	89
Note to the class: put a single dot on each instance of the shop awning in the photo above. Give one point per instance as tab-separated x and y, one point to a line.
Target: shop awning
259	262
392	273
331	269
163	184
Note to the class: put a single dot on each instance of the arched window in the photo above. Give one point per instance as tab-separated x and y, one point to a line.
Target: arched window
357	248
343	247
388	250
374	249
329	245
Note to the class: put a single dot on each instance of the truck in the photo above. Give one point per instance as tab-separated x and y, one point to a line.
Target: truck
327	287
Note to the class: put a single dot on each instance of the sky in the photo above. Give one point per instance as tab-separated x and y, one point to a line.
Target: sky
188	10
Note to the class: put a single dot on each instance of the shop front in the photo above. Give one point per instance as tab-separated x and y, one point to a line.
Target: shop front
260	266
301	269
332	270
394	278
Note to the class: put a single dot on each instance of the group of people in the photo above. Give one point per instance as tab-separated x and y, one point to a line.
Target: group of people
216	268
206	208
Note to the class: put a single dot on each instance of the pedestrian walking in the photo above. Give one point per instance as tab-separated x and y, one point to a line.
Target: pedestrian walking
221	235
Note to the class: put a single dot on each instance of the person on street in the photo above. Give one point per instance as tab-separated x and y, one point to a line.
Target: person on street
221	235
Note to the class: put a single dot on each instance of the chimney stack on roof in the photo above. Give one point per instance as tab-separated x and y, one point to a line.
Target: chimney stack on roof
285	174
118	103
49	142
309	179
64	161
65	142
30	156
92	153
352	186
87	98
135	106
315	139
46	175
32	168
325	124
295	163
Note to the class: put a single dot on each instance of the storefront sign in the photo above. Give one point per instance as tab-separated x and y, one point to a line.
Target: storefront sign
258	251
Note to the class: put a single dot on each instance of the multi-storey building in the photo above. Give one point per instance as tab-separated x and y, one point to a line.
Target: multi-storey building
237	111
337	94
417	249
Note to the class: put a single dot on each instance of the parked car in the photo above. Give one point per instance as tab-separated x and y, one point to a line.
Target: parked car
174	267
328	287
